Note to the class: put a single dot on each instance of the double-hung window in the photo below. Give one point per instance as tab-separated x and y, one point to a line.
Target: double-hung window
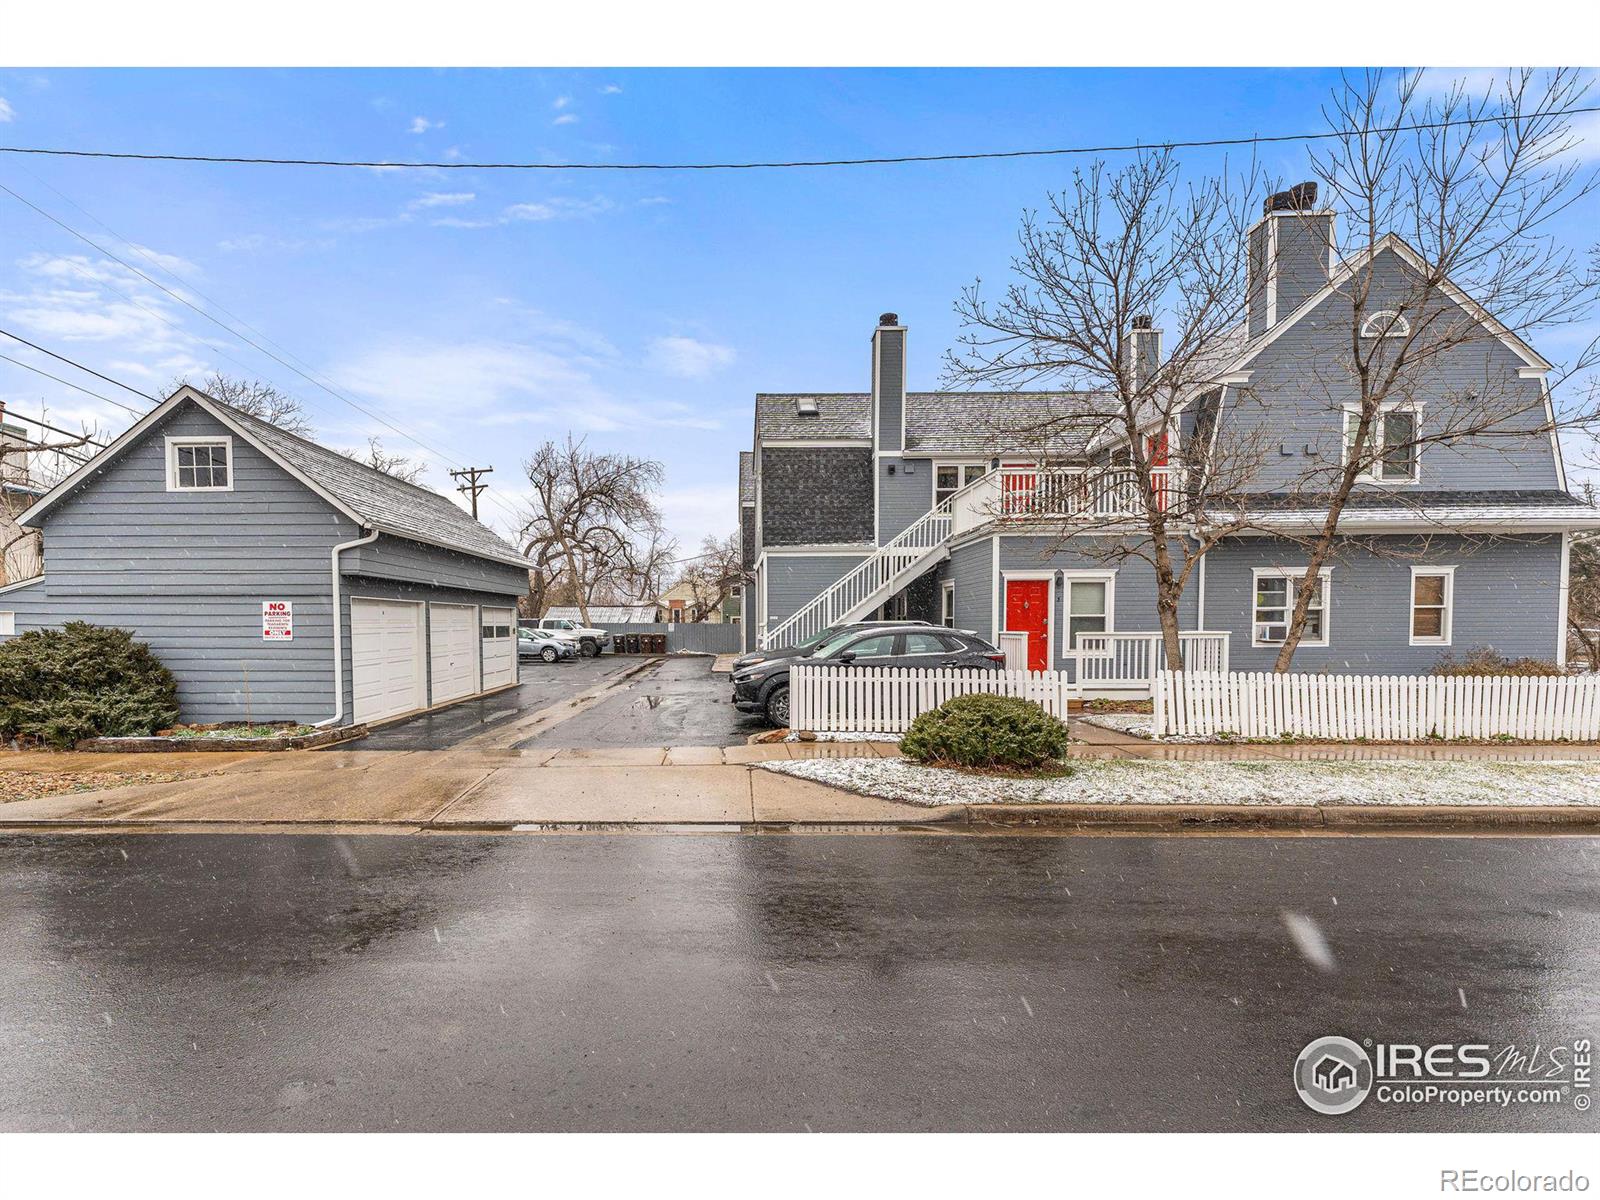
1432	599
947	604
1392	451
200	464
1275	594
950	478
1088	604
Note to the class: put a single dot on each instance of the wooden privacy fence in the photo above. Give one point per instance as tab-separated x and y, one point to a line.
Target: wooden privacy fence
1395	708
847	699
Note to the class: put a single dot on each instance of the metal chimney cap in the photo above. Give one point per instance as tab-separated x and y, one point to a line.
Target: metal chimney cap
1143	321
888	318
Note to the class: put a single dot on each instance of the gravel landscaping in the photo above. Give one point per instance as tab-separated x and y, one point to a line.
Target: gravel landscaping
1299	784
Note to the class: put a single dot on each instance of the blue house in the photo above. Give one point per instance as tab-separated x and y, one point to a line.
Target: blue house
921	504
276	579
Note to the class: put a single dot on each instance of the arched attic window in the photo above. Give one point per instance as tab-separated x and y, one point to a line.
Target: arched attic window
1385	323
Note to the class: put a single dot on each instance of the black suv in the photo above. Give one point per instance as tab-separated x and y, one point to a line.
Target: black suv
811	643
764	687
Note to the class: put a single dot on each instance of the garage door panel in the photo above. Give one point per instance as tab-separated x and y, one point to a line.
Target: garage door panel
499	647
453	651
386	674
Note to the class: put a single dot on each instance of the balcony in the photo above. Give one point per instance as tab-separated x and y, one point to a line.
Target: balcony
1091	493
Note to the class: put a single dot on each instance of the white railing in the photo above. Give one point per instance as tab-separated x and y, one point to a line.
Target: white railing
847	699
1051	492
1128	660
1377	707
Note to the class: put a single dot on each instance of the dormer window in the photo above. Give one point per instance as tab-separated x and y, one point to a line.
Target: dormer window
200	464
1385	324
805	406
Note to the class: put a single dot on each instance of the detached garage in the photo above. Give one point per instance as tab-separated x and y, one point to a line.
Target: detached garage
273	576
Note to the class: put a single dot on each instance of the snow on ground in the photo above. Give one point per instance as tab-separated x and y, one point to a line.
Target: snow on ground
1303	784
844	737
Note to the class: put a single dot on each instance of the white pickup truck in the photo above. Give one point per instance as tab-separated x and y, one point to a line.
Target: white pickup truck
592	642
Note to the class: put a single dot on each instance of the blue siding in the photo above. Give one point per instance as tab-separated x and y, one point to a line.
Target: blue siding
794	580
891	365
904	496
398	558
1507	596
187	573
971	568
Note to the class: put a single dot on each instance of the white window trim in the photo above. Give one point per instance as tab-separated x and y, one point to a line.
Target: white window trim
1398	325
947	604
8	623
1109	578
1449	574
961	465
1373	473
1292	574
173	443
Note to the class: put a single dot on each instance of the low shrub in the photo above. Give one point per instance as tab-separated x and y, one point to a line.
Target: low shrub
987	733
59	686
1485	660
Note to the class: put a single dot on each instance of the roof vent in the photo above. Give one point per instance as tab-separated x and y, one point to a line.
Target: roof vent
888	318
1300	198
805	406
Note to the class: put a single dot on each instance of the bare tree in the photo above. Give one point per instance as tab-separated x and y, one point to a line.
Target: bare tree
1445	205
593	518
1111	251
409	470
256	397
713	573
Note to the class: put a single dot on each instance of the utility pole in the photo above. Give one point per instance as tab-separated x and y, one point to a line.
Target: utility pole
472	487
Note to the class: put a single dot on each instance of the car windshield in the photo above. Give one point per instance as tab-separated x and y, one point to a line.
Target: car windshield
811	643
835	643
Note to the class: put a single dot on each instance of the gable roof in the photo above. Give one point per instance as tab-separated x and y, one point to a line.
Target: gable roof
1397	245
365	495
935	422
747	477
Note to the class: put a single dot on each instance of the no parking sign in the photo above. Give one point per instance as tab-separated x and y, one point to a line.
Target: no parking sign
277	620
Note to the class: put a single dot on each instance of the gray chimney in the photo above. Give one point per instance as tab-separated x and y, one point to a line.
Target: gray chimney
889	384
1290	252
1142	350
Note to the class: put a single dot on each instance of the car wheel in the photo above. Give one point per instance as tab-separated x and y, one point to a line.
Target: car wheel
549	654
591	648
778	706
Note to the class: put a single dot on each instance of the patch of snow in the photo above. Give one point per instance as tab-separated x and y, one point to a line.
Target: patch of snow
1299	784
845	737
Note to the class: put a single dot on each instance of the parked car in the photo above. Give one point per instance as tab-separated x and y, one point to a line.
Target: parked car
590	641
537	643
764	688
811	643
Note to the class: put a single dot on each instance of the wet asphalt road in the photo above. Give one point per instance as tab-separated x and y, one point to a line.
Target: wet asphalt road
715	982
677	702
542	684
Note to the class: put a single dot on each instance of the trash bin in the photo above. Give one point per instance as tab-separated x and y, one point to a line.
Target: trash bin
628	643
654	643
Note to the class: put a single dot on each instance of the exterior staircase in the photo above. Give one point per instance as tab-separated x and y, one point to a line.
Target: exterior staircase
893	565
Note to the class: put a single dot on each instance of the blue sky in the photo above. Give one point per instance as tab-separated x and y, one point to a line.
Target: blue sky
486	311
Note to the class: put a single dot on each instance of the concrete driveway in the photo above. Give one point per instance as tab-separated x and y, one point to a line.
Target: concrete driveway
543	684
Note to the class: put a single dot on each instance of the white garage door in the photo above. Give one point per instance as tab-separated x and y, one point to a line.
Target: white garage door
453	650
499	647
386	658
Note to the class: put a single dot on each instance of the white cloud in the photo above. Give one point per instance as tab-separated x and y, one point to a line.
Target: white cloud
442	199
566	119
688	358
7	113
561	102
611	89
423	124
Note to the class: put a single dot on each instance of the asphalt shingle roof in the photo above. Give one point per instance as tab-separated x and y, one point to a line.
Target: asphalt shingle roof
380	500
747	477
941	422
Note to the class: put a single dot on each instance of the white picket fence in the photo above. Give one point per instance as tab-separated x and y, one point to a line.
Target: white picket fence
847	699
1390	708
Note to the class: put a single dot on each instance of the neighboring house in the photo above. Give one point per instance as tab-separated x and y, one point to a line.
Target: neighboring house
678	605
23	555
273	576
911	504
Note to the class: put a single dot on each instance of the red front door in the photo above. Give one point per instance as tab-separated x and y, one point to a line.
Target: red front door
1028	611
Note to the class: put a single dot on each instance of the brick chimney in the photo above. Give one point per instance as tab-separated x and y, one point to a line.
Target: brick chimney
1290	252
889	384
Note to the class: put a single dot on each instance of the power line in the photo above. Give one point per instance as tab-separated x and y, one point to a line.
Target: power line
471	488
86	370
9	414
775	164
